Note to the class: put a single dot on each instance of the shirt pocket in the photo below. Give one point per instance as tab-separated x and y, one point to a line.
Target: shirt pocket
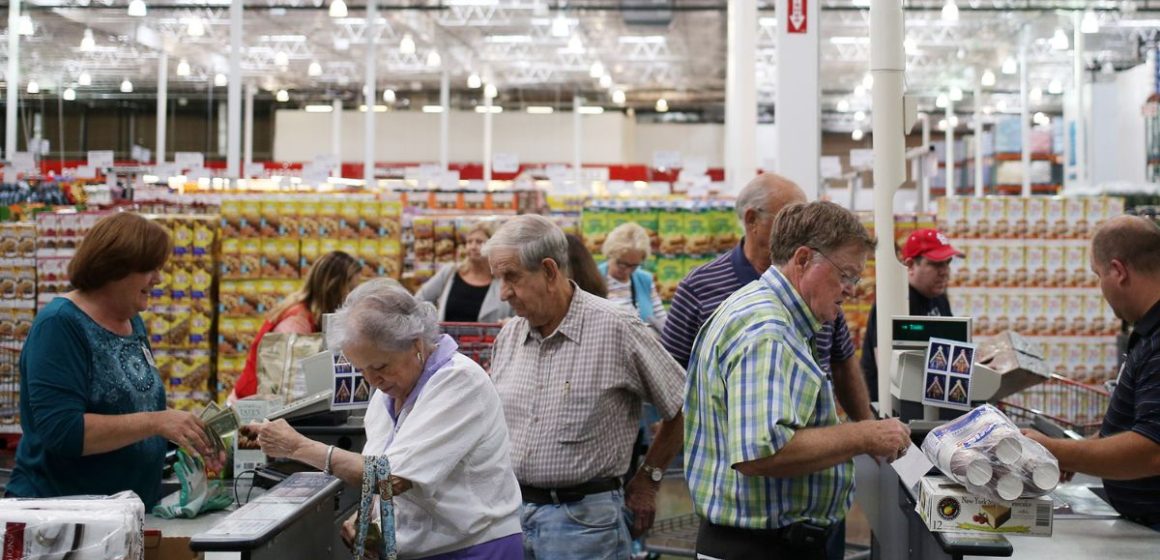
577	410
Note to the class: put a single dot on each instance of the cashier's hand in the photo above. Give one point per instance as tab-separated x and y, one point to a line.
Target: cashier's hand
888	439
277	438
186	430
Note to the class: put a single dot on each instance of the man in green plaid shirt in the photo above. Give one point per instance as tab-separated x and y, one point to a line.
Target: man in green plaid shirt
769	465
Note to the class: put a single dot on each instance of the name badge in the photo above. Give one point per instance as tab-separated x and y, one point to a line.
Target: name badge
148	356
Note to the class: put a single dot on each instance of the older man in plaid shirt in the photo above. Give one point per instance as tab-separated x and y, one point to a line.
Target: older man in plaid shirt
572	371
769	465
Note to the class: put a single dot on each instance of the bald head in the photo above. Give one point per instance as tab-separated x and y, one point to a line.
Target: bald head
1131	240
768	193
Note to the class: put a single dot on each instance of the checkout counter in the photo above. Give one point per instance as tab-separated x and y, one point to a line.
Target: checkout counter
1084	525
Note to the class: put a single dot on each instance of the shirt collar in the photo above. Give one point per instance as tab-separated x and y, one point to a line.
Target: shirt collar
1148	323
444	350
803	319
742	268
573	319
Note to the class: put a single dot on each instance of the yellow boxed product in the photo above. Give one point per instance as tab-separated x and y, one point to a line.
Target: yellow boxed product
1035	213
251	259
309	251
181	282
698	232
327	245
251	217
1056	218
371	255
444	240
349	218
978	226
271	209
1035	264
231	258
996	211
1077	262
1057	268
1016	265
1056	320
288	208
328	216
1075	214
308	219
997	273
201	282
672	230
1017	312
670	271
946	506
594	228
231	222
370	221
1017	217
203	234
270	258
182	235
199	325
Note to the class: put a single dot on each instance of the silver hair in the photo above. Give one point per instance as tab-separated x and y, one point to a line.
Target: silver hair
534	238
754	195
384	314
629	236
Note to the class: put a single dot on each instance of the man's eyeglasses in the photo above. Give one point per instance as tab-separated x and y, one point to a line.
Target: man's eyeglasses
849	280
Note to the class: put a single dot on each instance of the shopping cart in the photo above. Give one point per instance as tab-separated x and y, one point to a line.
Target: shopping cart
9	389
474	339
1072	405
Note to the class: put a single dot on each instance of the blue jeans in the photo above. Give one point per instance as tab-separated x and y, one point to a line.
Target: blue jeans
594	528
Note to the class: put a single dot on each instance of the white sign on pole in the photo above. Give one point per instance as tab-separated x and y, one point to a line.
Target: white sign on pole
695	166
23	162
189	160
505	163
831	167
666	159
860	159
100	158
85	172
255	170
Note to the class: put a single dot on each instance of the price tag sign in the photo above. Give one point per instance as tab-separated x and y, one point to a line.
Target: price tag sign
100	158
189	160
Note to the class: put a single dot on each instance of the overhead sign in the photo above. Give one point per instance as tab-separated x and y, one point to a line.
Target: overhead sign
666	159
23	162
189	160
100	158
505	163
797	22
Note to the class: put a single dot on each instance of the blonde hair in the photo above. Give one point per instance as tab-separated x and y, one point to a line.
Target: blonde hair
487	229
629	236
329	281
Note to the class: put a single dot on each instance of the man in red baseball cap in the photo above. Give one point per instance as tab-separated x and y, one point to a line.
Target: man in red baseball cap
927	255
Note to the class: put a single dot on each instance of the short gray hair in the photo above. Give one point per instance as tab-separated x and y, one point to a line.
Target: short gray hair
629	236
822	226
534	238
382	313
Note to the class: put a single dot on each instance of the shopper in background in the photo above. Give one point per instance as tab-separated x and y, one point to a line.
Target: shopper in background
769	465
330	279
572	371
467	292
92	404
435	416
625	249
1125	256
927	255
582	268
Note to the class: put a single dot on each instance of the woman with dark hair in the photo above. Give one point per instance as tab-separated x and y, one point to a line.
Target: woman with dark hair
331	278
92	403
583	268
466	292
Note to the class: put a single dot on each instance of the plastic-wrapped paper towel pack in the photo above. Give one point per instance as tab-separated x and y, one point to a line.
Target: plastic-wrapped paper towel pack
76	528
984	451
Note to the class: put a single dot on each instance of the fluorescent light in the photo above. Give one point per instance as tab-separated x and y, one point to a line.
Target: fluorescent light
474	81
956	93
988	78
33	87
953	120
596	70
560	27
1090	23
195	27
767	21
653	39
126	86
950	12
407	44
337	9
220	80
1055	87
490	91
433	59
378	108
849	40
618	97
25	26
507	39
843	106
137	8
868	80
318	109
575	45
1036	95
859	116
85	79
483	109
859	90
432	108
315	69
1059	40
69	94
857	135
281	59
591	110
87	41
941	101
1107	67
282	96
942	124
910	45
1010	66
1001	106
389	95
606	81
539	110
183	68
662	106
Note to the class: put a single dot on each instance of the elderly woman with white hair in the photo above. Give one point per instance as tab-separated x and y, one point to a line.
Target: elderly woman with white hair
437	418
625	249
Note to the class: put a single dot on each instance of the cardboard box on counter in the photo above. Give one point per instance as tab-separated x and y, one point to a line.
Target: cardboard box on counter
947	507
160	547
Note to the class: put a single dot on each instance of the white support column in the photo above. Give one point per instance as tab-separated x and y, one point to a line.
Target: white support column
887	66
12	97
162	105
741	94
577	139
978	140
798	109
1025	116
445	119
486	138
234	93
336	134
1080	109
925	163
248	132
369	87
949	152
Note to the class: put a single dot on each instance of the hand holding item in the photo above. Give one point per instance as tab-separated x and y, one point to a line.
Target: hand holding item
277	438
888	438
187	431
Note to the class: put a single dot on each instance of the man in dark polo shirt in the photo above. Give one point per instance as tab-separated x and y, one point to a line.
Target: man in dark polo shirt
1126	257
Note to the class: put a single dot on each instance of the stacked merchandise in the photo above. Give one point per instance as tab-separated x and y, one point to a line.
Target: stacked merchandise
181	311
17	309
269	244
1046	175
1026	269
57	237
684	234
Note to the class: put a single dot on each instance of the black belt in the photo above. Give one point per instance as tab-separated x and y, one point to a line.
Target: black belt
717	540
570	494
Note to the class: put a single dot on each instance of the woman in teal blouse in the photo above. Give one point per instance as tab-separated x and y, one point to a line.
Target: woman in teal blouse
92	405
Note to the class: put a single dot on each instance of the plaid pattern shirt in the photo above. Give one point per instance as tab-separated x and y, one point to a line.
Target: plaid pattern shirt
572	400
752	383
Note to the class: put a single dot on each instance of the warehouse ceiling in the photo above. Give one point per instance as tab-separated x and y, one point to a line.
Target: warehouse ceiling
542	53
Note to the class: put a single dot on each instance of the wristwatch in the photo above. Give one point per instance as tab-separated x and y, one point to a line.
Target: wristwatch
654	474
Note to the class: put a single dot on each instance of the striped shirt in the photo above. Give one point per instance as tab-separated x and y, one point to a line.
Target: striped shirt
572	400
753	383
699	294
1135	407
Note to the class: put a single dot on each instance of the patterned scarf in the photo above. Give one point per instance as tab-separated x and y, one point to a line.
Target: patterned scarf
376	470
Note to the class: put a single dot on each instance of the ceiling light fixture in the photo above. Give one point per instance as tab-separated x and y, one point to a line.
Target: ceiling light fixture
988	79
432	108
137	8
183	68
318	109
857	135
484	109
662	105
85	79
220	80
281	59
575	45
433	59
389	96
942	124
618	97
490	91
1036	95
282	96
539	110
1001	106
953	120
560	27
1059	40
195	28
941	101
606	81
33	87
843	106
1055	87
337	9
126	86
910	45
474	81
859	116
69	94
407	44
315	69
1090	23
87	41
1010	66
26	28
596	70
956	93
868	81
950	11
1107	67
859	91
591	110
